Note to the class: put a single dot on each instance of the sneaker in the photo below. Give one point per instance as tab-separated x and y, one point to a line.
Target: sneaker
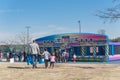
33	66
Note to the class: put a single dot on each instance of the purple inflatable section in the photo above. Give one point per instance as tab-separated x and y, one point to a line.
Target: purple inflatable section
114	43
115	57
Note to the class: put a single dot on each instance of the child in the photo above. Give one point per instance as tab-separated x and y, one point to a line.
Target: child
74	58
52	60
66	57
46	55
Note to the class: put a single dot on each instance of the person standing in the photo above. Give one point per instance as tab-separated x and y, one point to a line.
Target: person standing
57	55
7	57
1	54
24	56
52	60
74	57
34	52
66	56
63	56
46	55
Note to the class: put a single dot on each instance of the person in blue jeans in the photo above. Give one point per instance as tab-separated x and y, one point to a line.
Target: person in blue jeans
34	53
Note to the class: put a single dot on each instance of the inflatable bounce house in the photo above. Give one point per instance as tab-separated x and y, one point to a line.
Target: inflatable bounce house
86	46
114	51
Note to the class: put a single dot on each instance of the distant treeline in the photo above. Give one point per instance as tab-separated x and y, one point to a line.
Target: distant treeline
115	39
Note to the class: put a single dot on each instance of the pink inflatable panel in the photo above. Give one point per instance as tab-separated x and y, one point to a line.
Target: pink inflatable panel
115	57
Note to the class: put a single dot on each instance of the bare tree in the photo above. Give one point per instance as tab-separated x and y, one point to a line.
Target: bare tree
111	14
22	39
18	43
10	44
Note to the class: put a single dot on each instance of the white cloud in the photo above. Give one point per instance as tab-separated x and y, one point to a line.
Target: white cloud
60	29
39	34
51	26
51	30
55	27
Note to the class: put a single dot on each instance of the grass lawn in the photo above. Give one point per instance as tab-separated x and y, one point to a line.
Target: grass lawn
62	71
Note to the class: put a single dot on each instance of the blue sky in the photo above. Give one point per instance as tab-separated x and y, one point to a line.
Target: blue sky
47	17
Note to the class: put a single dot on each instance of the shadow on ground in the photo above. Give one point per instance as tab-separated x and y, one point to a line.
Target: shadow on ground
14	67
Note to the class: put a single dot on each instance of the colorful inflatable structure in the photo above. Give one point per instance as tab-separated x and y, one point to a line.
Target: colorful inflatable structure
114	51
86	46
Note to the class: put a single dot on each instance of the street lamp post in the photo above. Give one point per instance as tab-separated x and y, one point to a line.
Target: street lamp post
28	27
79	26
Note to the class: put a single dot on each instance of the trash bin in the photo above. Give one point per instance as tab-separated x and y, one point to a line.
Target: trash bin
11	60
29	59
41	60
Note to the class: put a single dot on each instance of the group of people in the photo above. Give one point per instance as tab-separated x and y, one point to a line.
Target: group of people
47	56
56	56
18	56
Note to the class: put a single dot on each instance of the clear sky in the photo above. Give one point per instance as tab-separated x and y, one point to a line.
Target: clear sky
46	17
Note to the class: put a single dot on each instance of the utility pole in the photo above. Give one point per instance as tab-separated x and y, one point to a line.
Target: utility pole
79	26
28	27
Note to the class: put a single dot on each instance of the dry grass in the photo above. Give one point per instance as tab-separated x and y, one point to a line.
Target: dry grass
22	71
